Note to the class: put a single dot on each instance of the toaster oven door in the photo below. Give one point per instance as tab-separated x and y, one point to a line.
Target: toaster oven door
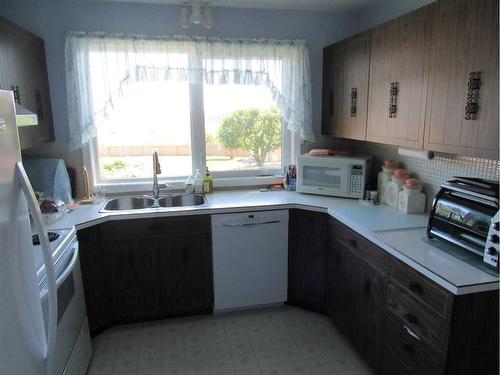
462	221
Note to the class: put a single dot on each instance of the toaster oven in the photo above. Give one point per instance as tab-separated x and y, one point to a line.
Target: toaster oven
465	214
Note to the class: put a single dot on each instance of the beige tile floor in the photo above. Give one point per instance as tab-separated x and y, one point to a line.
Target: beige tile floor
271	341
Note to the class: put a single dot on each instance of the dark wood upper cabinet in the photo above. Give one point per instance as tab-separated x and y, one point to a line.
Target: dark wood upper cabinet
307	259
23	68
464	41
333	83
398	72
419	71
355	86
345	87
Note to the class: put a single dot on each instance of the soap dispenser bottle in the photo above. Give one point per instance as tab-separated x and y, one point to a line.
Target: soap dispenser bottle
208	183
198	182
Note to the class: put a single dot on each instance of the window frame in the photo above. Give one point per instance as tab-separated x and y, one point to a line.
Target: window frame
242	178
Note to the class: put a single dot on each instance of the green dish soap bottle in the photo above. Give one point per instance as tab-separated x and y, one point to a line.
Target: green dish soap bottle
208	183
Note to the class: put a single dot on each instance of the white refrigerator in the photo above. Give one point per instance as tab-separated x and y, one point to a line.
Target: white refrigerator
25	346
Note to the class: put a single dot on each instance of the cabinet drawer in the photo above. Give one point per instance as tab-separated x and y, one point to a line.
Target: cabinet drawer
423	289
413	353
178	225
358	245
419	318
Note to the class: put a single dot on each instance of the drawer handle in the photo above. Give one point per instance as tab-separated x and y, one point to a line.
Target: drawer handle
415	287
354	98
411	333
411	318
366	287
353	243
393	99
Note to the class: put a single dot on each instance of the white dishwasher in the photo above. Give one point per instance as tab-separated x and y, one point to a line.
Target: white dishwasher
250	254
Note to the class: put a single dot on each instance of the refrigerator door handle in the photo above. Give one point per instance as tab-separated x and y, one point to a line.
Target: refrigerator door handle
40	230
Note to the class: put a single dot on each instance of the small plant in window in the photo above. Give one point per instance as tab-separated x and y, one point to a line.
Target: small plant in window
253	130
117	165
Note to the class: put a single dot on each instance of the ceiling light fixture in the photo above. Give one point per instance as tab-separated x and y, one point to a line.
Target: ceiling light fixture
200	15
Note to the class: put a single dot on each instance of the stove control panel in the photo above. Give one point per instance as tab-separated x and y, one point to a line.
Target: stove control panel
491	250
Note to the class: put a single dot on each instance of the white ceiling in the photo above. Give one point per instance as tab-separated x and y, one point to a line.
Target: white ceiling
314	5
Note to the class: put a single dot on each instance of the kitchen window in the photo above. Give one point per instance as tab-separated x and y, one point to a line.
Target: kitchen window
221	104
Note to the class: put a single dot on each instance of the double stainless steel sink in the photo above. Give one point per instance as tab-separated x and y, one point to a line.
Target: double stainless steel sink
145	202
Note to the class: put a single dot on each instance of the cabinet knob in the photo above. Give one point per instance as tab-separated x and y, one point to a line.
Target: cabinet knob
407	347
411	318
366	287
415	287
352	243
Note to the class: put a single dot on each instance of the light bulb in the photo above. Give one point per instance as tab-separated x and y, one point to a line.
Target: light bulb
208	21
184	18
196	16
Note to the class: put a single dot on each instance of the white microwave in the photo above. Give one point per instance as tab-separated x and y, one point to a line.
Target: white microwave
339	176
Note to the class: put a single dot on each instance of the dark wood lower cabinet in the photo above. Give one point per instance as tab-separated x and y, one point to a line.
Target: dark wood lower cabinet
134	278
307	259
401	322
355	291
145	269
184	274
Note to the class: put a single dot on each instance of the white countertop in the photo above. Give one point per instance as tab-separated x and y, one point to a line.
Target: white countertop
397	233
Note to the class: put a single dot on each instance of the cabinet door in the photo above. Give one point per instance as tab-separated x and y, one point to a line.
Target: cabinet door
307	259
185	264
44	132
355	86
369	299
133	268
464	40
95	280
333	64
399	56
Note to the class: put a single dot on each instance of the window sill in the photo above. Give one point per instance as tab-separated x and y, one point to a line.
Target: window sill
219	183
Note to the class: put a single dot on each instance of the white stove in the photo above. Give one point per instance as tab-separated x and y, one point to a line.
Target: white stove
73	346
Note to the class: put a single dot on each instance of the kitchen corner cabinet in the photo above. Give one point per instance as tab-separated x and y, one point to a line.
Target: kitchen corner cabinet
464	42
307	259
398	80
333	81
23	69
400	321
146	269
356	281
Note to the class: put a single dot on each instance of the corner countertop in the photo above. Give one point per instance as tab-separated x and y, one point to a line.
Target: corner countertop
395	232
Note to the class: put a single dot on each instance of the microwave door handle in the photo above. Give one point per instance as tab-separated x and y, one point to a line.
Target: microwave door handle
47	260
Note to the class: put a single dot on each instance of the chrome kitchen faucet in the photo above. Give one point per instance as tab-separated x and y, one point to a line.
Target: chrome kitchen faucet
157	170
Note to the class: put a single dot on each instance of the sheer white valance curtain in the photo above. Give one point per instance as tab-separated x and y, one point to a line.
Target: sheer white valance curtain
111	62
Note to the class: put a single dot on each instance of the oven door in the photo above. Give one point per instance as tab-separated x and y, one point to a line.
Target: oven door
317	178
71	311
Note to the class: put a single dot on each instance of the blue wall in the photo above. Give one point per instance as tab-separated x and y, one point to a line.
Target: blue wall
50	19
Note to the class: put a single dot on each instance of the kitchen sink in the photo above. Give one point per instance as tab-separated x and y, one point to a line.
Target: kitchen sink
128	203
182	200
146	202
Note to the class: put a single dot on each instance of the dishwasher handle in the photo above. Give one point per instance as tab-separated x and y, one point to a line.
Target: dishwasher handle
250	224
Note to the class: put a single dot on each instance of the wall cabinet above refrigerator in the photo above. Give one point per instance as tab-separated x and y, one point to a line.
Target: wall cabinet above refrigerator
23	70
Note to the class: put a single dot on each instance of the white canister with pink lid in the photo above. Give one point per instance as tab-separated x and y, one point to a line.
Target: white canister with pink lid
393	187
411	200
383	177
